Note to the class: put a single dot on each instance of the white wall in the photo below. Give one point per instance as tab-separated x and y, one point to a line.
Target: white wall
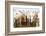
2	18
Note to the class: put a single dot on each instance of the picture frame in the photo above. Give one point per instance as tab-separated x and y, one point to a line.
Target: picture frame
9	5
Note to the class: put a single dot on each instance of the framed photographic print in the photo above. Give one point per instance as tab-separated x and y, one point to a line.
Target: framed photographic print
24	17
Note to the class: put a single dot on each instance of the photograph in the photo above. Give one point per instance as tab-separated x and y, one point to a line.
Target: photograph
26	17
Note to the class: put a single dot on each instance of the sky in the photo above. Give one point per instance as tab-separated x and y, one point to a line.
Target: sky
25	11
